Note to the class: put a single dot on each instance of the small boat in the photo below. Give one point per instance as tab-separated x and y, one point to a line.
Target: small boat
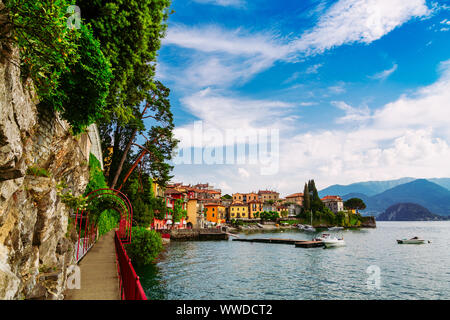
333	242
415	240
309	228
335	228
322	237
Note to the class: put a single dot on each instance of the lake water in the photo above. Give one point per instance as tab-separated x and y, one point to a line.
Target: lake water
242	270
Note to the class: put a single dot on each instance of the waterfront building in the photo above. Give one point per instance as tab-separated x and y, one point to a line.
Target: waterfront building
334	203
254	206
295	198
238	197
238	211
158	191
245	197
268	195
215	213
192	214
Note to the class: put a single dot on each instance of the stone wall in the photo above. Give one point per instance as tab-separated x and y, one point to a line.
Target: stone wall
35	245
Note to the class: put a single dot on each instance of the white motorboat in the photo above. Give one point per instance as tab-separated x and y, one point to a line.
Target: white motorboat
415	240
335	228
333	242
322	237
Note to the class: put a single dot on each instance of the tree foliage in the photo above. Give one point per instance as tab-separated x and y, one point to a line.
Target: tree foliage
101	210
178	211
81	94
355	203
145	246
68	69
46	45
130	33
269	215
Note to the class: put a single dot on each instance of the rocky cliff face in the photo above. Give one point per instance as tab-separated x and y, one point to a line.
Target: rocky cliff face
36	153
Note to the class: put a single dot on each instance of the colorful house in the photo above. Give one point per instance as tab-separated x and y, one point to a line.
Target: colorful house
192	216
239	211
254	206
215	213
296	198
334	203
268	195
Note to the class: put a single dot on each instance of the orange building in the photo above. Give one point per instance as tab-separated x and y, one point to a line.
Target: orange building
215	213
254	206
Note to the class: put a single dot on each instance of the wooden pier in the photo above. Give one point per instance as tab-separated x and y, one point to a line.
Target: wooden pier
309	244
296	242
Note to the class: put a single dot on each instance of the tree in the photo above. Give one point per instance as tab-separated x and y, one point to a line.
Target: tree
306	199
82	90
145	246
130	32
227	197
159	144
355	204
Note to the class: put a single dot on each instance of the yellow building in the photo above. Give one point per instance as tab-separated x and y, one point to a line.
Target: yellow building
215	213
254	206
158	191
191	218
239	211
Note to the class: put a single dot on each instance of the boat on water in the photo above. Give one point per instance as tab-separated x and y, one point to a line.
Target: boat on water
336	228
333	242
415	240
322	237
309	228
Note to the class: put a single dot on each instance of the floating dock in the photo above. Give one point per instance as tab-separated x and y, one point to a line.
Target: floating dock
309	244
296	242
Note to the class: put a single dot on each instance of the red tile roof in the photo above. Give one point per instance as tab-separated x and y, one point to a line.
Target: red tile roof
267	191
295	195
336	198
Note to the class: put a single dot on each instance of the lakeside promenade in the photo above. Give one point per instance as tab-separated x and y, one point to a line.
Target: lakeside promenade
99	278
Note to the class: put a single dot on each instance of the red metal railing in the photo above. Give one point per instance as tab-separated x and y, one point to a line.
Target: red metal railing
129	284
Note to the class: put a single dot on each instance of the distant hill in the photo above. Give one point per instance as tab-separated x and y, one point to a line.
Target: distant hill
408	212
428	194
369	188
443	182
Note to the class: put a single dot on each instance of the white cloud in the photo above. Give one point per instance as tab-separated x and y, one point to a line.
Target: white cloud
222	57
352	114
237	55
383	75
226	112
407	137
216	39
243	173
364	21
337	89
313	68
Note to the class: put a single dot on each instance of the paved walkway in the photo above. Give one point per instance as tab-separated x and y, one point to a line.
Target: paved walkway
99	279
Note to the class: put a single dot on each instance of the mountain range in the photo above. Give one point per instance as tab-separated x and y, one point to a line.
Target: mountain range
433	194
408	212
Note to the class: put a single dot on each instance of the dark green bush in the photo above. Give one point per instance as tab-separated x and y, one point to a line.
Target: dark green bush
145	246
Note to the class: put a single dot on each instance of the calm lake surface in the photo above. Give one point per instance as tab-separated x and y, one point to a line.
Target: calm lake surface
241	270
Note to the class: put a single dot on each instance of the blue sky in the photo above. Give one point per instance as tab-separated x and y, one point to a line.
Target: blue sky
358	89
